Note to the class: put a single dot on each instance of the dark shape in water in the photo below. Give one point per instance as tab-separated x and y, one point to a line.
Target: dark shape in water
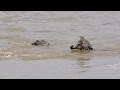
82	44
40	43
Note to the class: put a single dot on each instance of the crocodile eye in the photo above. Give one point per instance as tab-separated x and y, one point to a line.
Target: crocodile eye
37	40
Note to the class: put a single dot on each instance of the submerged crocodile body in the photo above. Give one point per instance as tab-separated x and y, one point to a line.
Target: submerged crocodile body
82	44
40	43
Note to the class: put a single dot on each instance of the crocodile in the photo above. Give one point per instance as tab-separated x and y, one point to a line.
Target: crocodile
40	43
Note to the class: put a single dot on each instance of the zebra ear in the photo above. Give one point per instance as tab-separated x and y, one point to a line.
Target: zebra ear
81	37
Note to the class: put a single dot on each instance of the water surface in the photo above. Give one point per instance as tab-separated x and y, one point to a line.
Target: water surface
18	29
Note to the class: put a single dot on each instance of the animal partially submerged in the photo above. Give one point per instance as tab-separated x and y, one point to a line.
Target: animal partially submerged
82	44
40	43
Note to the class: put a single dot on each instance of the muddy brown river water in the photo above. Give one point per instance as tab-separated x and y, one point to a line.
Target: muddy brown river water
19	59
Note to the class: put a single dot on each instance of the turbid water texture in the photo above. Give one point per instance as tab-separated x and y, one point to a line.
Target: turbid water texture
19	59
